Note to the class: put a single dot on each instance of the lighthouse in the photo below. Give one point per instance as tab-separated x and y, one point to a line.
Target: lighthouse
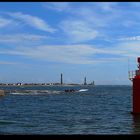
136	89
85	81
61	80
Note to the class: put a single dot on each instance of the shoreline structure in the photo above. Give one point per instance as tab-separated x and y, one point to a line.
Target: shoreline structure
42	84
61	83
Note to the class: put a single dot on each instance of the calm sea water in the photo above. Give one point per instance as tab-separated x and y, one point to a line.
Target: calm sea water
100	110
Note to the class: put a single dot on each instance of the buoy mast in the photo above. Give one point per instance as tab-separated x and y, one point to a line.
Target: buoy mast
135	78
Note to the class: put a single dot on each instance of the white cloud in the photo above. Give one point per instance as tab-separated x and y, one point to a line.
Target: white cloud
67	54
87	22
16	38
104	18
33	21
105	6
4	22
129	48
74	54
88	12
132	38
78	31
72	6
7	63
130	23
58	6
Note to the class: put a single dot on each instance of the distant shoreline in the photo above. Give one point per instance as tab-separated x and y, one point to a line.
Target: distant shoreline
60	85
39	85
45	85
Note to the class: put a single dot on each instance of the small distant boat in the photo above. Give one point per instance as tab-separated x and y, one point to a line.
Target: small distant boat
70	90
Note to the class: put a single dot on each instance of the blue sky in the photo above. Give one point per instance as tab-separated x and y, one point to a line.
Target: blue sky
41	40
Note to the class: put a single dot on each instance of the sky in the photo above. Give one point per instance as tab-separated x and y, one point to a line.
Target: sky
96	40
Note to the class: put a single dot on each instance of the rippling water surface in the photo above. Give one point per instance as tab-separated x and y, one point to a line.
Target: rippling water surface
99	110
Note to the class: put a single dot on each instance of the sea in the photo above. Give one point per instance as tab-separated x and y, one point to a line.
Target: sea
99	109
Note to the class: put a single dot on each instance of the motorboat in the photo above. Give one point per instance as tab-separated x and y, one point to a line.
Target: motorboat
70	90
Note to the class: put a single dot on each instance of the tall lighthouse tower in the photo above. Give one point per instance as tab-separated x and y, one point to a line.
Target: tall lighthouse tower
61	79
136	89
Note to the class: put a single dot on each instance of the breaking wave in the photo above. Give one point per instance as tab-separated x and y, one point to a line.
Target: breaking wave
46	92
81	90
41	92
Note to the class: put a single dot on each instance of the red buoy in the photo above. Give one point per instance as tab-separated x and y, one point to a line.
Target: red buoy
136	89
